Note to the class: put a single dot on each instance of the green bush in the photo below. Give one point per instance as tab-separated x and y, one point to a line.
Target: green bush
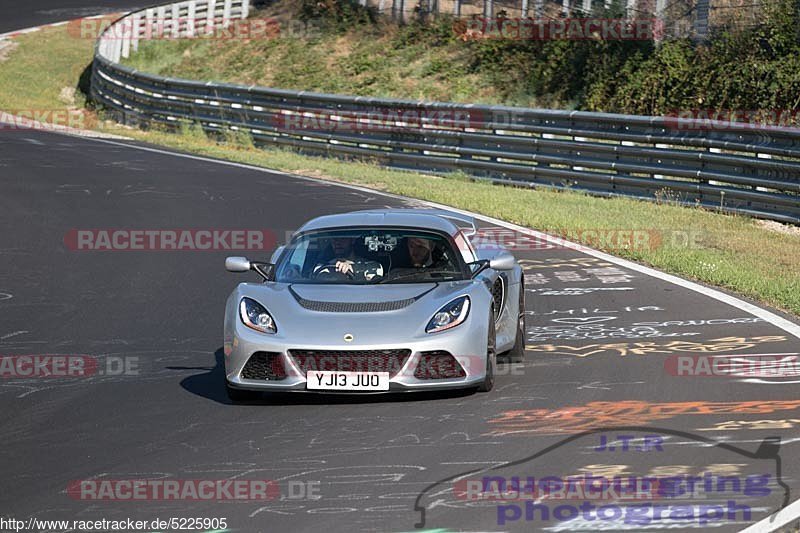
336	15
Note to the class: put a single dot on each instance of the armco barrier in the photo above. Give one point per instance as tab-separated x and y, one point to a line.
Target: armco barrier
733	167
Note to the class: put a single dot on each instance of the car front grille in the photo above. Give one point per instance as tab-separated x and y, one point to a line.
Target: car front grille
438	365
390	361
264	366
354	307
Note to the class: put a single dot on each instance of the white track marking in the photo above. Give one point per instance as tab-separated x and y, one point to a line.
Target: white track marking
12	34
776	520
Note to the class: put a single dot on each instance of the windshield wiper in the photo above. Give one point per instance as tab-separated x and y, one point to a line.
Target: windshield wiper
421	272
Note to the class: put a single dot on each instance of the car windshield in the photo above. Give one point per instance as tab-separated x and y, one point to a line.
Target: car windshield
369	256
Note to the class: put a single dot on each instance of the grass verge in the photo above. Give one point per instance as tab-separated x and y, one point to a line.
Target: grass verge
736	253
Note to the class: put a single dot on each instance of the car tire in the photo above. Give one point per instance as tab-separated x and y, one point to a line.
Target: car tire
517	353
491	357
240	395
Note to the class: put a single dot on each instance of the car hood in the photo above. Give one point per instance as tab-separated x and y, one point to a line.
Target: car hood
376	314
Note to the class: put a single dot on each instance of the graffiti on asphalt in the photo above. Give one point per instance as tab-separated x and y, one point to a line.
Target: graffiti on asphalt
722	344
586	417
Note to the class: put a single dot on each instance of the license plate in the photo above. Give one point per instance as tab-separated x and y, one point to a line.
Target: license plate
331	380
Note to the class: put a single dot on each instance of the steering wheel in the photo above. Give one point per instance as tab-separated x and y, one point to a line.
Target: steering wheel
328	271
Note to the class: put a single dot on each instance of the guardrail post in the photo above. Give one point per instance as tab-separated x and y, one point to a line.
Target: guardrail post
126	38
117	50
457	8
161	16
488	8
190	19
175	21
136	20
211	20
149	14
226	13
246	8
524	8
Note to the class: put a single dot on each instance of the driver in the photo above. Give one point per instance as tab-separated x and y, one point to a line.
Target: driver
346	261
344	254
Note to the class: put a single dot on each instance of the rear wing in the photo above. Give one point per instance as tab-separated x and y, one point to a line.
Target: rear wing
465	223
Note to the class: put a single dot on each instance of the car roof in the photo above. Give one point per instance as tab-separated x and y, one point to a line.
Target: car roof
430	219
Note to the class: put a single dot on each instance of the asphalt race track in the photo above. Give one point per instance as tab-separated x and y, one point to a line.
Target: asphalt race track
19	15
597	395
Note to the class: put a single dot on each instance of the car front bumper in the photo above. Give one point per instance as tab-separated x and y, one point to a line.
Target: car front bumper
466	343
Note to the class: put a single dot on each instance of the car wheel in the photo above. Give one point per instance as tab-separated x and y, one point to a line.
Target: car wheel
239	395
491	357
517	353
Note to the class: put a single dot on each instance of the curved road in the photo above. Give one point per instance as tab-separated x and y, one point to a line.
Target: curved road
19	15
604	344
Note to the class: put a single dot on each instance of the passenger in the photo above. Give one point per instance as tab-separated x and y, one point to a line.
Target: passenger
420	252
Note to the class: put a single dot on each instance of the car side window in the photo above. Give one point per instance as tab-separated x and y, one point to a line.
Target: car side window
464	246
299	254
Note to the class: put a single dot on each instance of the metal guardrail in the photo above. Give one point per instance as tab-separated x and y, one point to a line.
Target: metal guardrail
732	167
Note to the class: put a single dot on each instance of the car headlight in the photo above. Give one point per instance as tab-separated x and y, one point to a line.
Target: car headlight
449	316
254	316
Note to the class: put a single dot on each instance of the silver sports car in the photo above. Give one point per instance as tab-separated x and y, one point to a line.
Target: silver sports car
375	301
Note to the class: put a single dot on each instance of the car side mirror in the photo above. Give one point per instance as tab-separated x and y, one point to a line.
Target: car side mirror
237	264
502	261
242	264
